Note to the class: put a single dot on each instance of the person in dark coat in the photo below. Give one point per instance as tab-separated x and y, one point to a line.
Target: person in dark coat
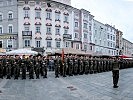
115	72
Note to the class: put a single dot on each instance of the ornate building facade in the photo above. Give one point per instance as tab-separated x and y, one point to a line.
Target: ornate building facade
49	25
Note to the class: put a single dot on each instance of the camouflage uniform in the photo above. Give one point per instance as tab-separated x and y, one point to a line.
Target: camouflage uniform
16	70
1	70
115	72
8	70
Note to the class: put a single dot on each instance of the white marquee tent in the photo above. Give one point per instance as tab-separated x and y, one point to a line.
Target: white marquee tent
21	52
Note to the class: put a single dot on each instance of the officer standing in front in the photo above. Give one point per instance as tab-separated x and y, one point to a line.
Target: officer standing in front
115	72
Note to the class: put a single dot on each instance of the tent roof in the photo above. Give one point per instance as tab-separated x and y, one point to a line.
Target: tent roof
21	52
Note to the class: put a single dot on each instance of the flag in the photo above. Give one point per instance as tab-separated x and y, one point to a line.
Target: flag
62	55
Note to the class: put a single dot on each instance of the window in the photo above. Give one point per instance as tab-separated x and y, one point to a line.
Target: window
89	28
85	35
58	44
77	46
109	51
108	36
76	35
66	18
67	44
37	2
95	41
95	33
57	30
0	44
1	3
38	43
111	37
26	13
108	43
49	44
10	29
26	28
85	47
85	25
37	29
65	31
57	16
100	42
114	38
48	29
10	16
76	24
38	14
26	43
9	2
91	48
0	17
48	15
9	43
85	16
1	30
90	38
111	45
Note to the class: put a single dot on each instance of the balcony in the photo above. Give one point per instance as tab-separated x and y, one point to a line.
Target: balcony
27	33
67	36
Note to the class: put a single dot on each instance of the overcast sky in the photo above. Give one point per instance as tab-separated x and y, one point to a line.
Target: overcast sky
113	12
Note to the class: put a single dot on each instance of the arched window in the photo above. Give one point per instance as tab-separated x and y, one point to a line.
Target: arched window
10	15
10	28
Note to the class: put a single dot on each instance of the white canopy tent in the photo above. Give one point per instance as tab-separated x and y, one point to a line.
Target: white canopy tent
21	52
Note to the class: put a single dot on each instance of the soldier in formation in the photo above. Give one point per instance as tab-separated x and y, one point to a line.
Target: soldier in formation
36	66
17	67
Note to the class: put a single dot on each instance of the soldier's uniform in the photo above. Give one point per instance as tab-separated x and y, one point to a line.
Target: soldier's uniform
23	68
31	70
44	67
4	65
57	66
115	72
16	70
81	65
70	66
65	66
1	70
86	65
37	69
8	70
75	70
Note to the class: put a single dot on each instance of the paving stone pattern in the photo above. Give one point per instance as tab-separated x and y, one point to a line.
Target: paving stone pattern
82	87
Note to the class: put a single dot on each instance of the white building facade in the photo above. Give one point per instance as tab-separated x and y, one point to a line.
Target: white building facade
43	26
111	40
82	37
127	48
49	25
104	38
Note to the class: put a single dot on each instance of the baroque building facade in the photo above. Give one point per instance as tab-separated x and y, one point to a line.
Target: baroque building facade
8	25
49	25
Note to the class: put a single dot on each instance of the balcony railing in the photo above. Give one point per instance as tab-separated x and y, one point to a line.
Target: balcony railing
67	36
27	33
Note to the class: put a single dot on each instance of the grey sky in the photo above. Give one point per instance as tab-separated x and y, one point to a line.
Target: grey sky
113	12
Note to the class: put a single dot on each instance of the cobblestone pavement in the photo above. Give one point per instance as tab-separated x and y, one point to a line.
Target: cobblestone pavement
84	87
